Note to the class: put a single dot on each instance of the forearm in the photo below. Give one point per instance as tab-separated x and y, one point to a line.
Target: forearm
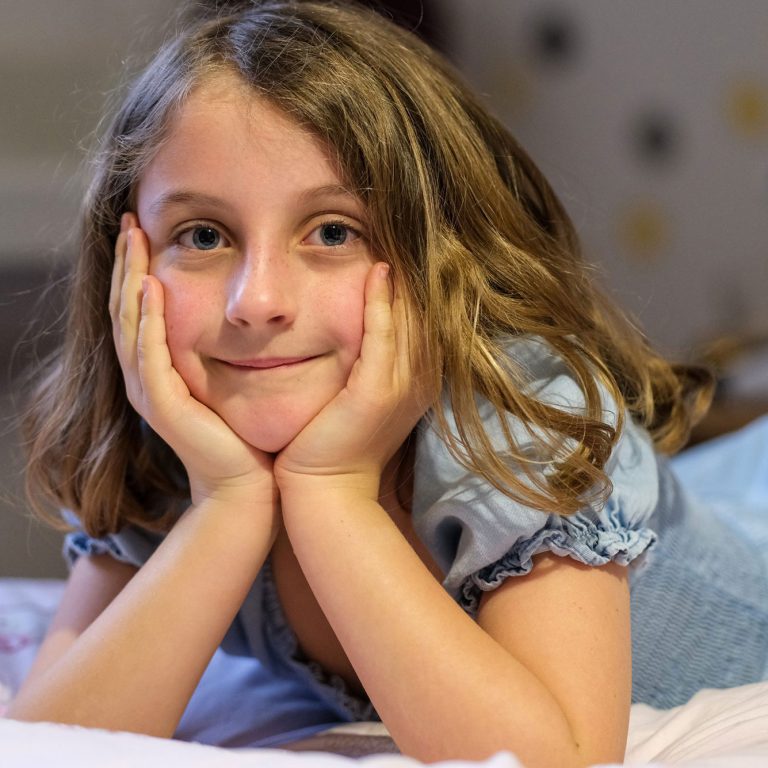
136	666
444	688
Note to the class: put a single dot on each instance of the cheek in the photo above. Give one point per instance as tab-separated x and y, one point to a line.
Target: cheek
188	310
343	307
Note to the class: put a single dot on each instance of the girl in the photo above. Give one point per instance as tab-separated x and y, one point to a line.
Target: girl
334	374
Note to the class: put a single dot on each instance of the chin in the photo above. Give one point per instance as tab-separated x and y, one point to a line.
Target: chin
267	442
270	438
274	445
271	427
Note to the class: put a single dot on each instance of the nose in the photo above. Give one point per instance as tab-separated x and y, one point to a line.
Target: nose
262	291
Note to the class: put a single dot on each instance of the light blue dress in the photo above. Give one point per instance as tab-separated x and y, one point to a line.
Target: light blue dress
698	572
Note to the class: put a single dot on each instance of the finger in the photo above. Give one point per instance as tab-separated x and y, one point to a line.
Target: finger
116	285
129	310
117	271
135	269
377	316
378	348
161	384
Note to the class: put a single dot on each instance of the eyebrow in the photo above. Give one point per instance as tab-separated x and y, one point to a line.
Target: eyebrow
190	197
185	197
329	190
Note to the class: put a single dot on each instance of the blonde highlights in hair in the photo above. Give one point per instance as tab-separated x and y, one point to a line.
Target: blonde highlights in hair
472	230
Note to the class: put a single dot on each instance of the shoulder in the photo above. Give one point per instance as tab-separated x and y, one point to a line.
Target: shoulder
480	536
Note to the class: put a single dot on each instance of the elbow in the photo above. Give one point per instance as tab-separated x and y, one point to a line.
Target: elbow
32	712
597	751
30	709
542	753
19	709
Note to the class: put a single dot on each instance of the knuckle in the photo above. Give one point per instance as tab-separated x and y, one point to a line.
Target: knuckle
124	316
135	398
387	332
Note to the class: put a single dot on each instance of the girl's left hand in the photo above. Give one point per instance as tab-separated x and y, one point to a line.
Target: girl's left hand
353	437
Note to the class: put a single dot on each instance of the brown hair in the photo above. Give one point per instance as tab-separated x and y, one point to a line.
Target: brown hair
469	224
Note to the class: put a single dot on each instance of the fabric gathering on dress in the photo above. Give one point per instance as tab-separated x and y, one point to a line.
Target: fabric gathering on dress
698	572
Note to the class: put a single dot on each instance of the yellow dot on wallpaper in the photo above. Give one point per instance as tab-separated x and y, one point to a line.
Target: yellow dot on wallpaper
747	108
644	230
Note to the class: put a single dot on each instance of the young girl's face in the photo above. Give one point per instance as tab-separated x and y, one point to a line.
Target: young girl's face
262	254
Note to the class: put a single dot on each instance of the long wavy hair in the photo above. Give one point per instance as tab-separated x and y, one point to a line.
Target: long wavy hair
470	226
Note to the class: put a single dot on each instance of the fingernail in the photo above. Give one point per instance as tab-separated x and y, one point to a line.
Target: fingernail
383	271
144	286
124	222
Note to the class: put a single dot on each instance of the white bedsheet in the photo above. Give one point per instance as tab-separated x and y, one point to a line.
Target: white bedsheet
716	729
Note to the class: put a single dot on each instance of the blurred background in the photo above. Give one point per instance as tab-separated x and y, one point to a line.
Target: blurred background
650	119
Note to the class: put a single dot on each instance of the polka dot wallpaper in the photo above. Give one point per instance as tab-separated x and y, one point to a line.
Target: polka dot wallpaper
651	120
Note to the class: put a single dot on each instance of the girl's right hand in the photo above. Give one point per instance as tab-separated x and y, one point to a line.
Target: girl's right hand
219	463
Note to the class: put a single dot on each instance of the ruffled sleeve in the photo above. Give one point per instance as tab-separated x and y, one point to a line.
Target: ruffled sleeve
480	537
132	545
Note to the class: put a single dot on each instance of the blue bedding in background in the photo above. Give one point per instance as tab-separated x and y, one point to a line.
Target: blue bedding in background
731	474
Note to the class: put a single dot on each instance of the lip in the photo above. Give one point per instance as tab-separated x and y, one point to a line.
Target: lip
268	363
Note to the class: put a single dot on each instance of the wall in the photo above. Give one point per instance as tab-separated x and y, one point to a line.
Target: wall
651	120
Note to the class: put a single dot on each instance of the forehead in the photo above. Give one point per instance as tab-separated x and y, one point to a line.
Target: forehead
227	100
227	134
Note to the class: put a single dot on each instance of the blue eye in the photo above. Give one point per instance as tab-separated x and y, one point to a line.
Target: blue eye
202	237
205	238
333	234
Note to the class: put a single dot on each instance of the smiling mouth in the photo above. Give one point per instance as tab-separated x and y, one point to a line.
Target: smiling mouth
268	363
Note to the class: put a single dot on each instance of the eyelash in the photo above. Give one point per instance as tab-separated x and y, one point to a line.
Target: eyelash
337	223
198	225
191	229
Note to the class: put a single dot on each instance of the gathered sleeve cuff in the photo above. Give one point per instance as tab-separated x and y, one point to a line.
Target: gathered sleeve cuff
480	537
132	545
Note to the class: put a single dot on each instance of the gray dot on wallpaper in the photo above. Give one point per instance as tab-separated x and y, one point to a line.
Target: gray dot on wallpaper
655	138
554	37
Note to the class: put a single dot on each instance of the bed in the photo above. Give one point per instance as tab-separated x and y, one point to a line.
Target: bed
715	728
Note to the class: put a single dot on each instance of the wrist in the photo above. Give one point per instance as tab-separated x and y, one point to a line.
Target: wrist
235	521
347	486
242	493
